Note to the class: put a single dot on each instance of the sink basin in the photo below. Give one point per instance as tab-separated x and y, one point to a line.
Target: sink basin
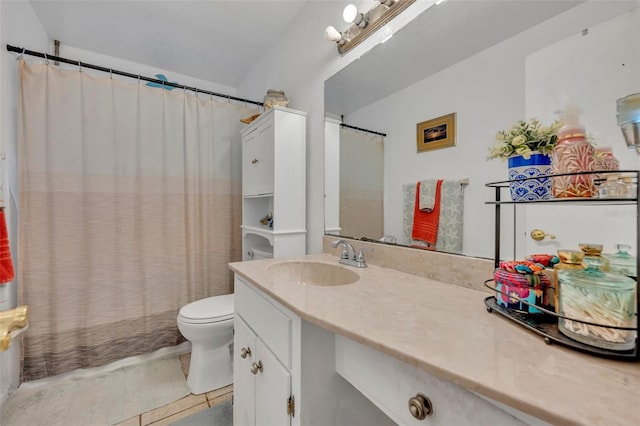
313	273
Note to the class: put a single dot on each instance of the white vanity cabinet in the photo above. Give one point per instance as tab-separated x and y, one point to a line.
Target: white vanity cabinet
394	386
261	360
274	182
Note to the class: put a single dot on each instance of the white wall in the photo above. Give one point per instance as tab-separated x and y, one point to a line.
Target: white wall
299	64
487	91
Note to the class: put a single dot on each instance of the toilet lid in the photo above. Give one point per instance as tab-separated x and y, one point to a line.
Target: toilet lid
211	309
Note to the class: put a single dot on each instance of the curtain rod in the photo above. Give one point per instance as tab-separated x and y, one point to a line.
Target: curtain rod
343	124
363	130
81	64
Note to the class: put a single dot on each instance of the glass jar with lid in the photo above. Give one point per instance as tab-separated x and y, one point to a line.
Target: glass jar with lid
568	259
605	299
621	262
605	160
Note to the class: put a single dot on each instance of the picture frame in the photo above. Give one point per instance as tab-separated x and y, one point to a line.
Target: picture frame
436	133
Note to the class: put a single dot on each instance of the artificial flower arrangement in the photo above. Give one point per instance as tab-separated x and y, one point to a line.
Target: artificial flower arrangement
524	138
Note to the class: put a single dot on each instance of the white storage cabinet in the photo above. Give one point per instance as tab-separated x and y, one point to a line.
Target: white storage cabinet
274	182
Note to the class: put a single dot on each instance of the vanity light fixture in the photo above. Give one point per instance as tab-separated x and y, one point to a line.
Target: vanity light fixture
331	34
365	24
351	15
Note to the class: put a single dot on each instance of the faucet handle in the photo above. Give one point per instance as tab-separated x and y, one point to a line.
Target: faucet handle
360	256
345	253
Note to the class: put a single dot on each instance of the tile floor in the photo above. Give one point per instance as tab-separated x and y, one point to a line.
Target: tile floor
181	408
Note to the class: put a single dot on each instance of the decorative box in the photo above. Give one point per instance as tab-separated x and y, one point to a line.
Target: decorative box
512	288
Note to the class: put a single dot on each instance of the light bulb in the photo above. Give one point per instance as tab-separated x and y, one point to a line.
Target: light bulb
349	13
331	34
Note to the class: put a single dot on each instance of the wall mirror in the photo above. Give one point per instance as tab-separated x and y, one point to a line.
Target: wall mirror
491	63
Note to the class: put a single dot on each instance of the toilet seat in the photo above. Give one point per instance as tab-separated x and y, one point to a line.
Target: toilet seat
209	310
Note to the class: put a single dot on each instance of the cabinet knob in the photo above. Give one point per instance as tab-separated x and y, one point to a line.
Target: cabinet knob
539	234
420	406
244	352
255	367
254	161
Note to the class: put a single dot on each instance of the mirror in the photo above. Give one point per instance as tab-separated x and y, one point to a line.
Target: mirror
480	60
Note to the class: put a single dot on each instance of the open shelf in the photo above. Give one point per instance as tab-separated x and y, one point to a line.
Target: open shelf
546	323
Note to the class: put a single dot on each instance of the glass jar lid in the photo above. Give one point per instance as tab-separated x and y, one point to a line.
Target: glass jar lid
572	257
592	276
622	262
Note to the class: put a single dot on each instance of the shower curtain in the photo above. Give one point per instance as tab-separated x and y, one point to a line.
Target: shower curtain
129	208
361	184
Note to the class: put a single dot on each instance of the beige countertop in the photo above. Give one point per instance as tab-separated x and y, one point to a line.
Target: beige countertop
446	330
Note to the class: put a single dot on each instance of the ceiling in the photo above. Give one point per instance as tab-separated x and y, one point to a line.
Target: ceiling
215	40
438	38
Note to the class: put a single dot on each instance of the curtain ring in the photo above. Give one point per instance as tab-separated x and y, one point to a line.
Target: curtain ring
111	73
163	84
228	99
46	58
79	66
138	79
21	55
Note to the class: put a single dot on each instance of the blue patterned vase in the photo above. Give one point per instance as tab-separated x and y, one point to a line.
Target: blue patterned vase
533	189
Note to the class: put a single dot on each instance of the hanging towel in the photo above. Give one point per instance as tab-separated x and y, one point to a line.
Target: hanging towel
450	226
6	266
425	223
427	191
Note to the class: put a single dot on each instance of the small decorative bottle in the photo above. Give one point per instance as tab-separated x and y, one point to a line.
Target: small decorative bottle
572	153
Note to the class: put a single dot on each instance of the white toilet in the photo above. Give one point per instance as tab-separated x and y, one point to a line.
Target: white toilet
208	325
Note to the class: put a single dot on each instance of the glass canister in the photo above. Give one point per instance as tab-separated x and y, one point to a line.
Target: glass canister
621	262
603	298
569	259
595	250
573	153
605	160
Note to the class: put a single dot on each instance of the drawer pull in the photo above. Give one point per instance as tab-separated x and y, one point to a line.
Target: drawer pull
255	367
254	161
420	406
244	352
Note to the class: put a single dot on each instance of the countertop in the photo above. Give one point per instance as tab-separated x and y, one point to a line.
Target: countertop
446	330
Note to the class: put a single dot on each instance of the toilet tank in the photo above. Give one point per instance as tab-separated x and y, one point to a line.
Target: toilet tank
262	252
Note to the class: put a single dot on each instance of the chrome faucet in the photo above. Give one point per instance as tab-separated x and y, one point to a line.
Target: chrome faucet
349	256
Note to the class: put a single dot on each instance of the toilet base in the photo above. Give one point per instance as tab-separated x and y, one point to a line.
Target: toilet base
210	368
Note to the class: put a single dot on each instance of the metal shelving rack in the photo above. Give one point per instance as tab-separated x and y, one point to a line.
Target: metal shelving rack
546	323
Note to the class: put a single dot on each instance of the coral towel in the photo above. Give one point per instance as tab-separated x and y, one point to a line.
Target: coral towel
425	223
6	266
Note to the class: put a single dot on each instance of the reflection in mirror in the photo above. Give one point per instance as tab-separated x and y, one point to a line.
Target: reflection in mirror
361	183
488	61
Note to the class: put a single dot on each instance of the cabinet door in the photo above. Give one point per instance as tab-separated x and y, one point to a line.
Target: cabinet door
265	142
250	162
273	389
243	379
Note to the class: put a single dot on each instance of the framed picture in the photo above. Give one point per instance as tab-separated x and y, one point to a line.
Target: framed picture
437	133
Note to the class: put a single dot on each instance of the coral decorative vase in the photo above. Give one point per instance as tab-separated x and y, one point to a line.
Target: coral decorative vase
531	189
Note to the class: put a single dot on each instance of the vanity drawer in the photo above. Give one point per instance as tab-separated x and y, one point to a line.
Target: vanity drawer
268	321
389	383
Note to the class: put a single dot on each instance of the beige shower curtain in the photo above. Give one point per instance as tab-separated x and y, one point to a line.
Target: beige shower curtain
129	207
